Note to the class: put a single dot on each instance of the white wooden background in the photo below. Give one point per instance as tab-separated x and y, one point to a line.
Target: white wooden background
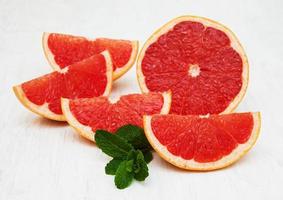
42	159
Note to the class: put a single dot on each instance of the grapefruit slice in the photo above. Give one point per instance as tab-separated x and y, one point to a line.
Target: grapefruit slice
202	143
88	78
200	61
62	50
87	115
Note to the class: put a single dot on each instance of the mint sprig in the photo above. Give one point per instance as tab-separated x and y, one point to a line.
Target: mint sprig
123	176
135	136
112	145
130	151
112	166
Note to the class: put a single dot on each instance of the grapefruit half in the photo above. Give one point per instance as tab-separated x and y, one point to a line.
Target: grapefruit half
87	115
88	78
202	143
62	50
200	61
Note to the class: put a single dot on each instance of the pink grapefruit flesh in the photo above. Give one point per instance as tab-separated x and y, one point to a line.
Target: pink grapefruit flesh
87	115
200	61
202	143
63	50
88	78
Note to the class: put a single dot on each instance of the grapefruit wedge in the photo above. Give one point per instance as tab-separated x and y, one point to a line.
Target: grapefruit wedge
87	115
202	143
62	50
200	61
88	78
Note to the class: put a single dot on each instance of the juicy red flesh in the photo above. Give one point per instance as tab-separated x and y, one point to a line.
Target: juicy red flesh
202	139
83	79
69	49
167	61
99	113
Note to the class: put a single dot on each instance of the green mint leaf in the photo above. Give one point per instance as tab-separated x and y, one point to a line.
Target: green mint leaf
112	145
142	173
123	177
134	135
138	158
129	165
112	166
131	155
147	156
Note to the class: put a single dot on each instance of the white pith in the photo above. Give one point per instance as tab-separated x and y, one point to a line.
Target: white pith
166	102
235	44
86	131
178	161
116	74
109	73
64	70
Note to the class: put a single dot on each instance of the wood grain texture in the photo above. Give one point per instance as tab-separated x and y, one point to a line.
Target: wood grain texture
42	159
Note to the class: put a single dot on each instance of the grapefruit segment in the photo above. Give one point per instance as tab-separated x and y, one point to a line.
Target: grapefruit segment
88	78
87	115
202	143
62	50
200	61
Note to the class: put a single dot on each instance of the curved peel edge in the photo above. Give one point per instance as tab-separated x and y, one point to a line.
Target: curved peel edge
207	22
41	110
118	72
225	161
167	99
48	54
83	130
44	111
109	72
86	131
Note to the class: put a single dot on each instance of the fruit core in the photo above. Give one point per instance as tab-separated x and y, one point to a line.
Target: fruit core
194	70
